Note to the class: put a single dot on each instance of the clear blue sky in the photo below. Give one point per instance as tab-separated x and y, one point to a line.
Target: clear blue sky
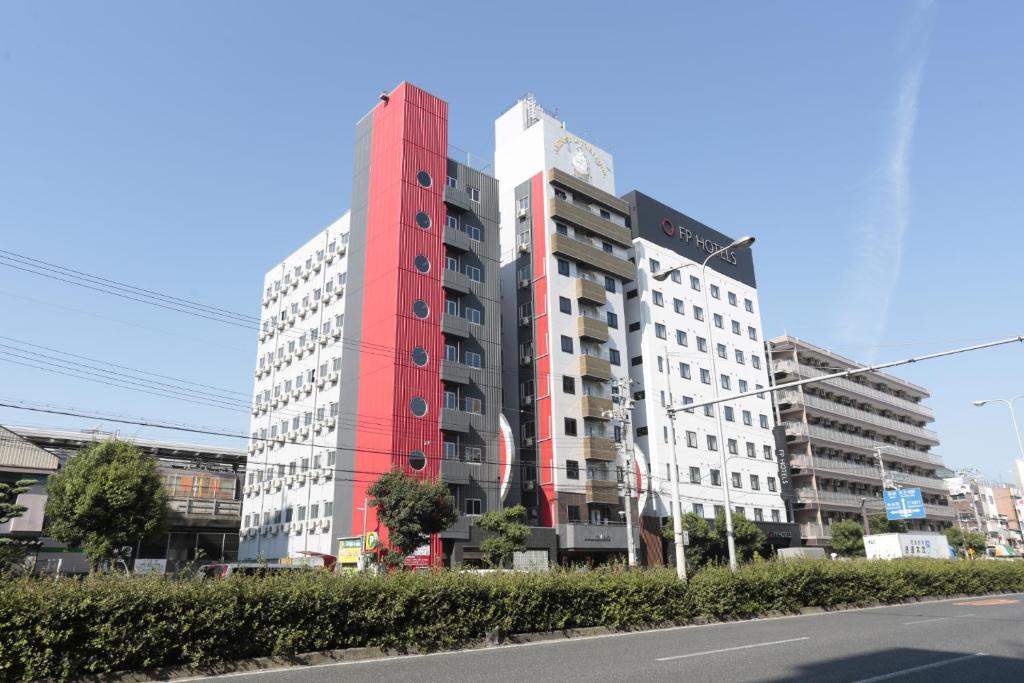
875	149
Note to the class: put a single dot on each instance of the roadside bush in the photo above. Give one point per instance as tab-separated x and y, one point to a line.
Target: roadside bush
67	629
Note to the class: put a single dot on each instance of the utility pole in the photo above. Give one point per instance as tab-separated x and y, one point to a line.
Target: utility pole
677	505
864	516
621	415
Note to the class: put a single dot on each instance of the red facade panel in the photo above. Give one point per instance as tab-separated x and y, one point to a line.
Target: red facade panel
542	357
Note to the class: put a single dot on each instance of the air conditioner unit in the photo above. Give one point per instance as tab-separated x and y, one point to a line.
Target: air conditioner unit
524	282
280	439
273	297
525	359
321	382
266	486
280	324
325	524
313	306
342	248
266	300
528	441
285	398
264	530
311	525
277	484
333	377
270	332
336	333
327	473
305	432
316	267
525	320
275	403
318	427
331	422
324	340
308	388
263	335
527	400
289	480
310	346
296	393
278	363
295	284
291	321
330	257
306	274
260	446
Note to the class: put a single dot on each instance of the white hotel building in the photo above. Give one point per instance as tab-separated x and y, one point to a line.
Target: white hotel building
581	312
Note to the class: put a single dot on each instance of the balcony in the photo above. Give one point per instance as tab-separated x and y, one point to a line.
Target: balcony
816	531
204	512
837	498
818	403
593	367
602	491
584	252
457	197
596	407
840	468
456	325
581	536
590	292
456	372
850	386
461	529
455	421
578	187
457	282
599	448
583	217
801	430
592	329
457	239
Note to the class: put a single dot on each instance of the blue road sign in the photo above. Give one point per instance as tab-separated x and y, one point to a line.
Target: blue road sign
904	504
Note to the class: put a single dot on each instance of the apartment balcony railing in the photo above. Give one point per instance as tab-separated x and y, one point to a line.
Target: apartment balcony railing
825	405
593	367
861	442
213	510
592	329
590	291
584	218
840	498
457	239
602	491
855	387
599	448
596	407
813	530
594	257
844	469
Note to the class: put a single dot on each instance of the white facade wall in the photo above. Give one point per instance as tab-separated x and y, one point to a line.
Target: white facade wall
297	402
666	361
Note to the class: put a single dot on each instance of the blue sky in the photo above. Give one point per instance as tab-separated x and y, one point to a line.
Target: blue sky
873	148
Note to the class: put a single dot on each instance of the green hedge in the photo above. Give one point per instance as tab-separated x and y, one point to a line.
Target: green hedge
66	629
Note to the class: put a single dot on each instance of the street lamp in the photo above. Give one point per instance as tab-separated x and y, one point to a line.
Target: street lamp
1013	417
741	243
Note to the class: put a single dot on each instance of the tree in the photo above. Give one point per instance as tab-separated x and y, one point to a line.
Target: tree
709	543
12	550
961	540
412	509
703	541
507	536
848	538
109	495
879	523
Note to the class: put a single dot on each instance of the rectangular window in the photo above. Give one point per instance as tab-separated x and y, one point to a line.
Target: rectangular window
755	361
694	475
473	192
567	344
715	293
726	381
659	300
631	294
732	446
569	385
570	426
702	344
772	485
698	509
776	517
755	483
574	512
719	510
732	298
474	232
752	333
655	266
747	418
564	305
453	221
613	357
608	248
474	454
473	506
751	450
718	320
684	370
659	331
474	405
742	385
722	351
735	326
730	414
767	452
609	284
563	267
451	450
712	442
748	305
764	421
758	515
716	478
681	338
679	306
694	283
612	320
691	439
561	228
473	315
634	327
473	273
474	360
737	480
705	376
452	182
698	313
572	469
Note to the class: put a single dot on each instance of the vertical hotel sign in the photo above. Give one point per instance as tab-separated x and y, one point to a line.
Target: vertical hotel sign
785	476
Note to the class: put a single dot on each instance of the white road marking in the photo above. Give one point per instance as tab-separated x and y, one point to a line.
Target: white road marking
923	667
730	649
925	621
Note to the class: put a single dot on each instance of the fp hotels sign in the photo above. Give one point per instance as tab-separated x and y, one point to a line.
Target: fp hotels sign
702	243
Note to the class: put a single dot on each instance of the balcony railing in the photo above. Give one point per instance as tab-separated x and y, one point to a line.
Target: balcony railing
855	387
849	469
861	442
598	448
593	292
201	507
595	368
823	404
812	496
596	407
813	530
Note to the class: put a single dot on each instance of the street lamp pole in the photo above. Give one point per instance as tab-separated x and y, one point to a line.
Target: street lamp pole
677	505
741	243
1013	417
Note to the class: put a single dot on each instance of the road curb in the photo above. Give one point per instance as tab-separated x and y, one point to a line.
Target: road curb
493	639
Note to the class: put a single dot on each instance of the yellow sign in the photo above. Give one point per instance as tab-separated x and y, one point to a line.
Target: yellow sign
372	540
349	550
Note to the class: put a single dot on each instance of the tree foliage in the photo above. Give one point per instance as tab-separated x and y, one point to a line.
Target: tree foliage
507	535
107	496
13	550
412	509
848	538
709	542
961	540
879	523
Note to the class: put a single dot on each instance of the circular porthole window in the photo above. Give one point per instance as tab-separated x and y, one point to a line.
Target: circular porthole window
423	220
418	406
419	356
420	309
422	263
423	178
417	460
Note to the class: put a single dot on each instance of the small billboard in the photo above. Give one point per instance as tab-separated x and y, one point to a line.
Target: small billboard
904	504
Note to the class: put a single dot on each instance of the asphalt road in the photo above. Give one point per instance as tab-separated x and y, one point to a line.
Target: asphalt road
973	639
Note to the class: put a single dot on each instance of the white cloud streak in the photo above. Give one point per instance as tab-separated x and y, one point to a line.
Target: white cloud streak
874	268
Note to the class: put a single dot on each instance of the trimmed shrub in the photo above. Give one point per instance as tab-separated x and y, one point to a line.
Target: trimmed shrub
67	629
